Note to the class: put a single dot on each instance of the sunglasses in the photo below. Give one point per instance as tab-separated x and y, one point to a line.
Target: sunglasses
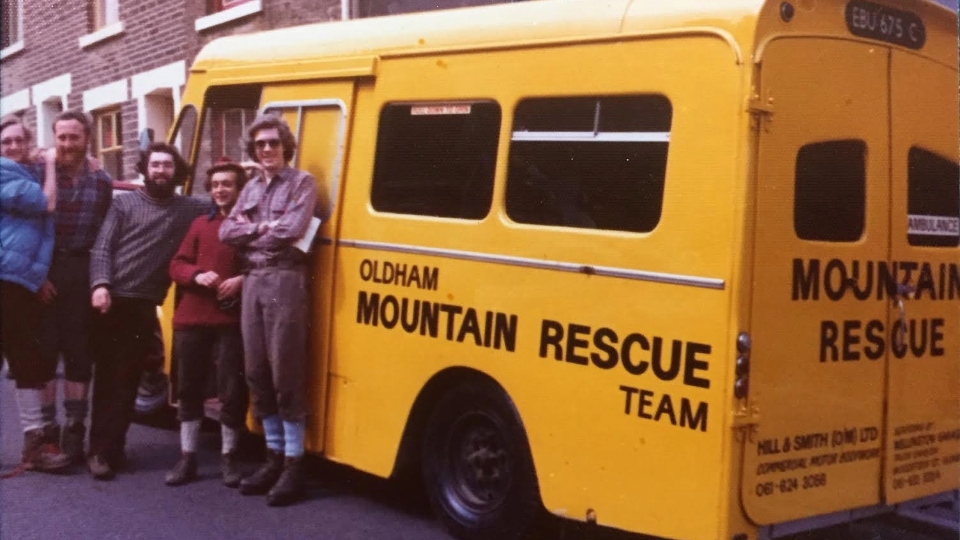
263	143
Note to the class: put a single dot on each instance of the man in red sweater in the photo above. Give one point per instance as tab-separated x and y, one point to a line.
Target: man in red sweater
206	326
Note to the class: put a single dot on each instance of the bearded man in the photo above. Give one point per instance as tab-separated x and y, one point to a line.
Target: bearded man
85	192
128	280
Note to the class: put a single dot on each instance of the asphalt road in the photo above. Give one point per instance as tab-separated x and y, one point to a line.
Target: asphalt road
342	504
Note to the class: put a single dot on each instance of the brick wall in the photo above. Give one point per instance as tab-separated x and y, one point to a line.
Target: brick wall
156	33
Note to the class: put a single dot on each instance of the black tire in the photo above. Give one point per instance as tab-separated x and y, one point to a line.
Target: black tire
477	467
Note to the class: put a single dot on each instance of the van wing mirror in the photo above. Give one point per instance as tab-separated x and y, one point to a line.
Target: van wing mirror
146	138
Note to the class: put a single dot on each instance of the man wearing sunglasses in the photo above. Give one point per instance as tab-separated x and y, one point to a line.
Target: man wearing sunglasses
272	213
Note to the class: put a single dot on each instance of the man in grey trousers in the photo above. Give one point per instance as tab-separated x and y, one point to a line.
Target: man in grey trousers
271	215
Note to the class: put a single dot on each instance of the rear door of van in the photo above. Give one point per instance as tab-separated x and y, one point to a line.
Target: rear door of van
923	428
856	293
819	323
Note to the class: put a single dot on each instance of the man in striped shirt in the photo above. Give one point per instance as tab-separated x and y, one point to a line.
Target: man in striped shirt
128	280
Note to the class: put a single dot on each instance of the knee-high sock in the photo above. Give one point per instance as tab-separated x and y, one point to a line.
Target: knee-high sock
49	413
273	431
293	437
28	400
76	410
189	433
228	436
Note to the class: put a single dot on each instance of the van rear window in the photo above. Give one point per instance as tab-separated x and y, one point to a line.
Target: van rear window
830	191
436	159
596	162
933	200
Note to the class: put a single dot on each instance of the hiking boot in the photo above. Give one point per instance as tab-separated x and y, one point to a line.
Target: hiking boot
118	460
72	441
230	469
289	488
265	477
41	456
100	468
51	434
184	471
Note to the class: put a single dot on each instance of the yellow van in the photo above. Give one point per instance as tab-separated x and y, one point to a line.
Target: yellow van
688	269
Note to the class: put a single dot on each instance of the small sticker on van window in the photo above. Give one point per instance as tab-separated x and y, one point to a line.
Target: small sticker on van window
934	225
425	110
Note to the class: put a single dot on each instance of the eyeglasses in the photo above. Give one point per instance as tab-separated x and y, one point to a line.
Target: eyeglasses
263	143
11	140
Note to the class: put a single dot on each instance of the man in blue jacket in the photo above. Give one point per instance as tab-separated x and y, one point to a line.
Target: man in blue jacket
26	249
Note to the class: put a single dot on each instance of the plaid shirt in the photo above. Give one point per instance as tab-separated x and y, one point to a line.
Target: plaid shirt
81	207
289	200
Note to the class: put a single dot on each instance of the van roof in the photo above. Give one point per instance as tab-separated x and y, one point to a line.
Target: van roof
512	24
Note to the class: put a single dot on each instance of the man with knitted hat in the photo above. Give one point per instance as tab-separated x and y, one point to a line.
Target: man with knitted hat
206	326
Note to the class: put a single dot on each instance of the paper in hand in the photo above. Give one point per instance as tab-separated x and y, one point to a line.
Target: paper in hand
305	243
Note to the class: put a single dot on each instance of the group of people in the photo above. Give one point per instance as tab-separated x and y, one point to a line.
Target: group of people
82	273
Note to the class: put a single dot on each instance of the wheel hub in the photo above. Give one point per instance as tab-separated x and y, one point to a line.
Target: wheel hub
481	468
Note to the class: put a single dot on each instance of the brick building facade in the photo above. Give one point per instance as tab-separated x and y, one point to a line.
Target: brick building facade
125	61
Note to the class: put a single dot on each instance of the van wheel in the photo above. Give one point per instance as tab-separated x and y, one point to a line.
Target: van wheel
477	467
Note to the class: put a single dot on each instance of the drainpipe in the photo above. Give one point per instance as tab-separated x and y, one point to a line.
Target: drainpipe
345	9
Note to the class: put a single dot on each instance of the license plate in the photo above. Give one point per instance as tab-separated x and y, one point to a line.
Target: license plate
874	21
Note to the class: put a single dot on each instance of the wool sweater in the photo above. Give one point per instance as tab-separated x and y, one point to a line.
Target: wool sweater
202	251
139	237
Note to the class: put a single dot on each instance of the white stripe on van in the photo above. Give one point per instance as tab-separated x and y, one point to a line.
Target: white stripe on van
606	271
589	136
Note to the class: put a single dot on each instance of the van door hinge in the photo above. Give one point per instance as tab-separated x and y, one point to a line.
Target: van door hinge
761	112
746	420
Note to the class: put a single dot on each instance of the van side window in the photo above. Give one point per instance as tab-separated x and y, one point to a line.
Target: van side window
436	159
227	110
589	162
830	191
933	200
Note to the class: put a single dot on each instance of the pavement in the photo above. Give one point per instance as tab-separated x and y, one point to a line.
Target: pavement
342	504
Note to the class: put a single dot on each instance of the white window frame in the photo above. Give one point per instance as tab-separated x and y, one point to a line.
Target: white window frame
243	9
110	10
169	78
50	97
109	27
116	114
15	46
15	102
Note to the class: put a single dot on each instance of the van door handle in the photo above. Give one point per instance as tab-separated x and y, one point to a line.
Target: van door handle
904	292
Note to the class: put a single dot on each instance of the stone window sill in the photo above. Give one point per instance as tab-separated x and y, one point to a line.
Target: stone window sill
107	32
228	15
13	49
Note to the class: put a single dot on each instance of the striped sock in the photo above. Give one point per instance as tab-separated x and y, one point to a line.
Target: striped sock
293	432
273	431
49	413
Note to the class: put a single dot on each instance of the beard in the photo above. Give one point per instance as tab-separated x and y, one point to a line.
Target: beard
71	158
159	190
